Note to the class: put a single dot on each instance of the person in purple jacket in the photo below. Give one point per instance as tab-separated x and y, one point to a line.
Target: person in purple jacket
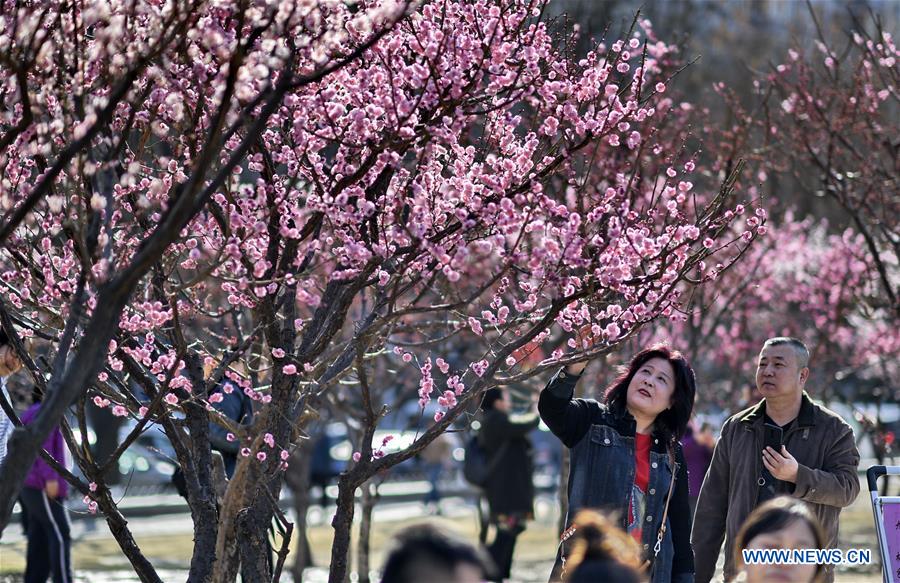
698	451
48	525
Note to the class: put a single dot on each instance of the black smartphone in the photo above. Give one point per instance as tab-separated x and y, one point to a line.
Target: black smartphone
772	436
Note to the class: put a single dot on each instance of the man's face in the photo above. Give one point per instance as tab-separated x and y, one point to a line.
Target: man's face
778	372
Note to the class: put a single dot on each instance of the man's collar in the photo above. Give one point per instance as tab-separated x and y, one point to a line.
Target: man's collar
806	417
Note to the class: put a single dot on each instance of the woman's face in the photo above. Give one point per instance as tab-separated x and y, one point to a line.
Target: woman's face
9	361
651	388
796	535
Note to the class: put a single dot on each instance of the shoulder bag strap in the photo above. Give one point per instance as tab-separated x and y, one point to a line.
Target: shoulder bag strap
662	526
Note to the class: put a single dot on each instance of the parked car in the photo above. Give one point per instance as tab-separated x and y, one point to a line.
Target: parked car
148	463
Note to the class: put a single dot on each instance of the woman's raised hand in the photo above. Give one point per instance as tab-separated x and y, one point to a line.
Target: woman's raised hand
585	337
585	340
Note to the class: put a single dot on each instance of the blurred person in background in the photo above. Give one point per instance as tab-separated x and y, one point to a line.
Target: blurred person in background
436	459
49	543
230	400
9	364
698	449
429	553
510	487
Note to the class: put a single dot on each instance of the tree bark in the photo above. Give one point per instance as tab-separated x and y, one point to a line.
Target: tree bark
227	558
342	523
297	478
256	565
118	526
369	499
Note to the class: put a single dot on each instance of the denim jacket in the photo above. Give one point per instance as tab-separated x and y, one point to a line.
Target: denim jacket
602	467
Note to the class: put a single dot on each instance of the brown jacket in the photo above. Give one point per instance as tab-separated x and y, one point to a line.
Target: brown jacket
823	445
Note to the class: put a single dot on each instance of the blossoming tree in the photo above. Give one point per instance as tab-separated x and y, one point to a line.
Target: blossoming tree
293	188
820	136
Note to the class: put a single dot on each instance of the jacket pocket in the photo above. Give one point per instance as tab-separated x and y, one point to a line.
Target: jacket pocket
605	436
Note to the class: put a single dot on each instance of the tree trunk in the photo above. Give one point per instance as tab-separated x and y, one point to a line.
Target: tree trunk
118	527
227	558
297	478
206	520
342	523
256	564
202	495
369	498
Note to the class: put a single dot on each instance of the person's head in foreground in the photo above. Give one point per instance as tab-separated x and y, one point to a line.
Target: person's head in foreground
780	523
432	554
601	551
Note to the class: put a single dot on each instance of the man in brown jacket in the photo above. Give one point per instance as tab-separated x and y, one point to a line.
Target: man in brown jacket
817	462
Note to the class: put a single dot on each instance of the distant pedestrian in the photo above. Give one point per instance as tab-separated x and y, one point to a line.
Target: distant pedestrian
322	471
510	487
436	459
238	407
698	449
780	523
432	554
9	364
49	544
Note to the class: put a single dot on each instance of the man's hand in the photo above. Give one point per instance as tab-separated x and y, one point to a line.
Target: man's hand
781	465
52	489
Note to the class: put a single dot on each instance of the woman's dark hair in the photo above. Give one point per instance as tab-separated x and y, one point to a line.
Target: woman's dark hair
491	396
775	515
675	419
4	339
427	551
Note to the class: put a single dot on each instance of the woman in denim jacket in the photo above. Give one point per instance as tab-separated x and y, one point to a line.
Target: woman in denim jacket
619	453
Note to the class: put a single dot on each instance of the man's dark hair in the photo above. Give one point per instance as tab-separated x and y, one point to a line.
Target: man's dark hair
796	344
423	552
491	396
674	420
